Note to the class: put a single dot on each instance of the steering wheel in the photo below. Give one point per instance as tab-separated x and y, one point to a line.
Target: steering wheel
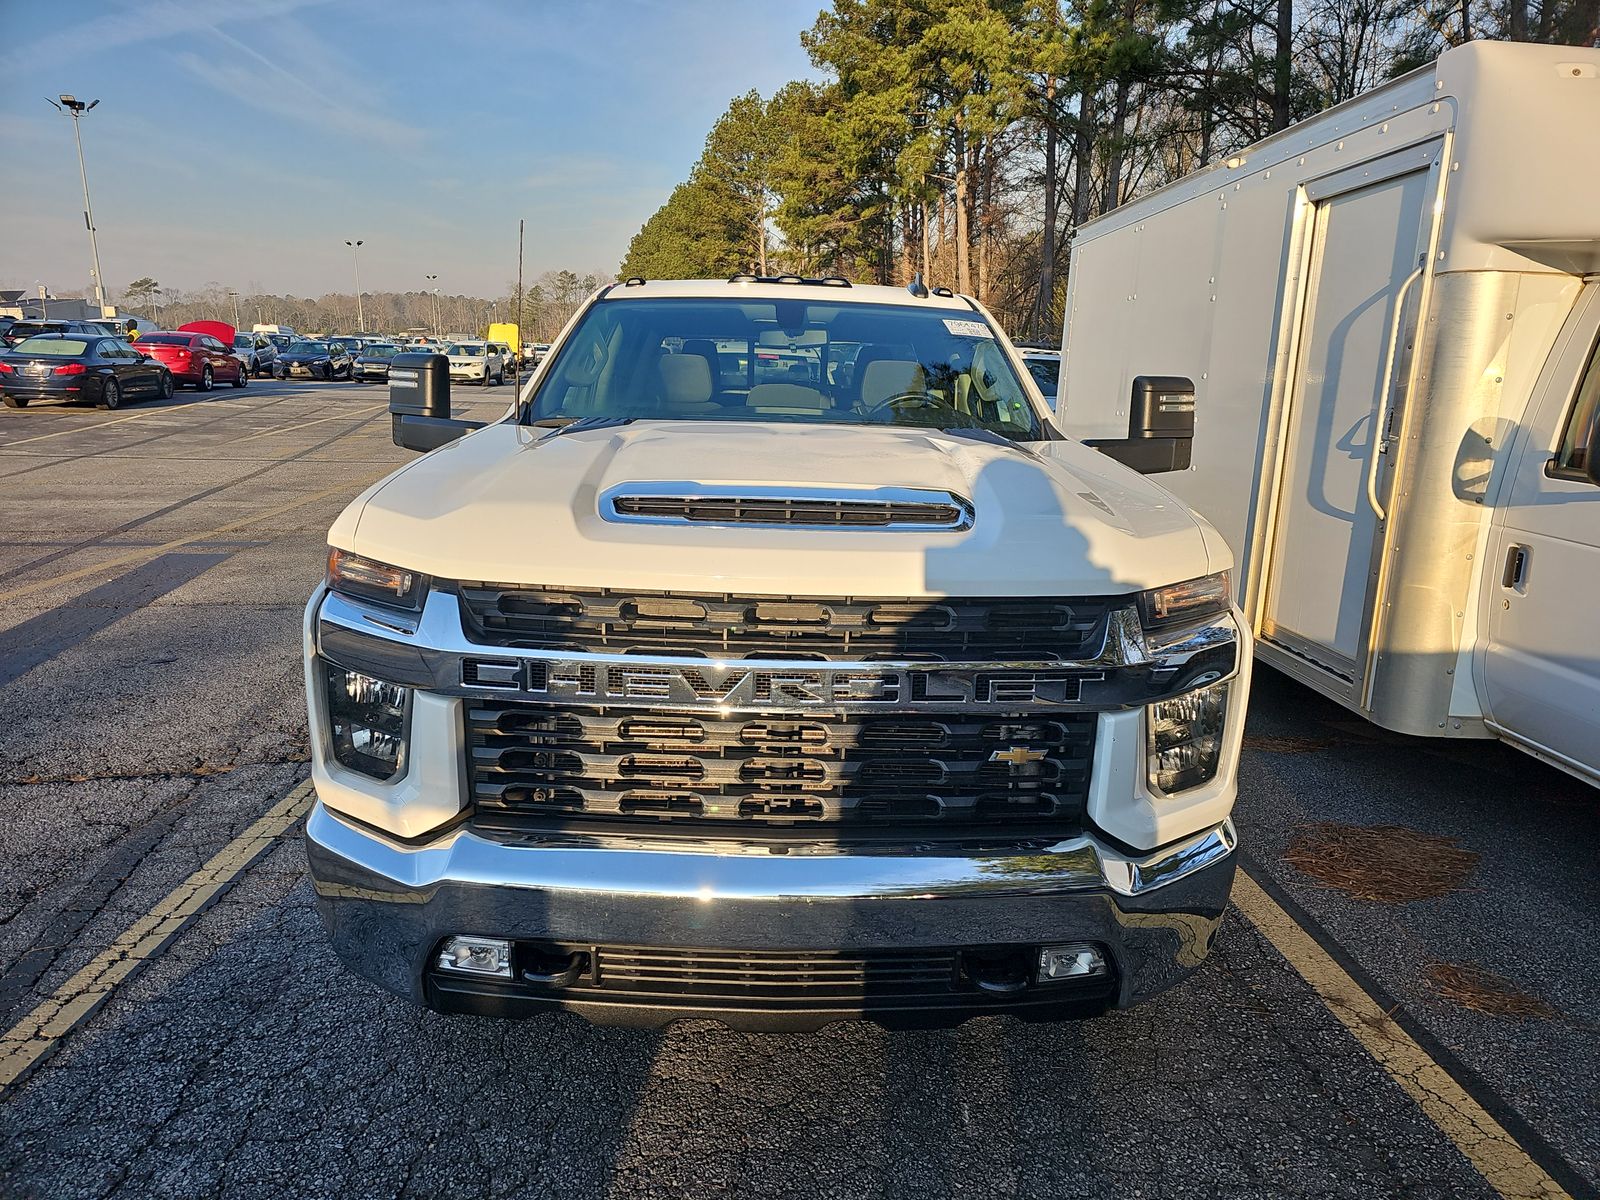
902	400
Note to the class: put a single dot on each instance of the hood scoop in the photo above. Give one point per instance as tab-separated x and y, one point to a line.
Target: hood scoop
911	509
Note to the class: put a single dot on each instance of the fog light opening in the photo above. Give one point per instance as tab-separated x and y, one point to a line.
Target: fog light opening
476	956
1076	960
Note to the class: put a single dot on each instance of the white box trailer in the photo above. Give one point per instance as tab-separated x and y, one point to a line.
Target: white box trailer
1365	349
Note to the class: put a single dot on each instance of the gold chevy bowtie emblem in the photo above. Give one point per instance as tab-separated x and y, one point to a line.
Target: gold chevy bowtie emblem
1017	756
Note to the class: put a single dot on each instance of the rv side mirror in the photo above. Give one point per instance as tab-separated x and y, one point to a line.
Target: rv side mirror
419	402
1160	426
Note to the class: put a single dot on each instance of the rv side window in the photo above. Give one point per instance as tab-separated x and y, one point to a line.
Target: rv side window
1573	456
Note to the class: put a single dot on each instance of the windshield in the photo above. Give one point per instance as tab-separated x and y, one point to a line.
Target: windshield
380	351
1045	371
245	341
466	349
56	347
308	348
786	361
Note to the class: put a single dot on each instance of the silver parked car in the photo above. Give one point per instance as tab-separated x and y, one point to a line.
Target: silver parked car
258	354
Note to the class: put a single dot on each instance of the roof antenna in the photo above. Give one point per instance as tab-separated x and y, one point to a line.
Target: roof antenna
917	288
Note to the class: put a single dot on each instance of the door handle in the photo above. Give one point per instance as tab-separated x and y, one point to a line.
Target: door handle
1516	568
1380	440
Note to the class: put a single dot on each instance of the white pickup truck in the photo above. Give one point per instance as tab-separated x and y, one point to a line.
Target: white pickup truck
772	660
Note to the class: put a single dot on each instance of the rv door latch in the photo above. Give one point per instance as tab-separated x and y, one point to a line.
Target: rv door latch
1516	567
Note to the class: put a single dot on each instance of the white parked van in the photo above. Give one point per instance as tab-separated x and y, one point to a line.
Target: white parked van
1365	349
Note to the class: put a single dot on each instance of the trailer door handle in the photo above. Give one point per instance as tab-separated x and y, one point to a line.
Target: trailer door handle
1380	419
1516	568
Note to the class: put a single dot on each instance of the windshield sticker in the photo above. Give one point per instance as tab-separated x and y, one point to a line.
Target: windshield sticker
975	329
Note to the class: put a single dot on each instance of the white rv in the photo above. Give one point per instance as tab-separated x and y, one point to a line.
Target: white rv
1365	349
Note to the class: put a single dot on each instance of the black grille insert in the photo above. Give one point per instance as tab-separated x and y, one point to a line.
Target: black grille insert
952	629
959	771
842	513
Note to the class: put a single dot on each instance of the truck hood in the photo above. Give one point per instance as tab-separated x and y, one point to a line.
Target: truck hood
514	504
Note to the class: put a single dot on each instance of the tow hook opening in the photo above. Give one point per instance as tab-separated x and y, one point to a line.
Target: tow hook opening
551	966
999	971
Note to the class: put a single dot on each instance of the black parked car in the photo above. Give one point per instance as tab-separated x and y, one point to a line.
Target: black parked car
319	360
21	330
71	367
372	361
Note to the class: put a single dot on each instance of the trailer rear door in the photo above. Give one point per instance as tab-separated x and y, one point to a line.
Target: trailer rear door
1366	241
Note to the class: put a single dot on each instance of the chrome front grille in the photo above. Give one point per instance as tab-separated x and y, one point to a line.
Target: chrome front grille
950	629
617	764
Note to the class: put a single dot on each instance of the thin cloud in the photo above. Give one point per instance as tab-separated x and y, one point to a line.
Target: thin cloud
252	79
141	23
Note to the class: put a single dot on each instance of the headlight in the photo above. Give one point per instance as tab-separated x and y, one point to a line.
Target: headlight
369	579
1180	603
1184	738
367	722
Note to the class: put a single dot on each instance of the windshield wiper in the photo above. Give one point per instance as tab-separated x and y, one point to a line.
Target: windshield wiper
560	425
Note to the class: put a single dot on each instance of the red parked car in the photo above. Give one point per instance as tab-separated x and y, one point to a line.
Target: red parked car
197	359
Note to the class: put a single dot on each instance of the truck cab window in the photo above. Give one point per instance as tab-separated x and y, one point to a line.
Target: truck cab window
794	362
1576	440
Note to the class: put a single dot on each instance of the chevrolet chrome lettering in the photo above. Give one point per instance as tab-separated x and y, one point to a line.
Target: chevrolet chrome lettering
430	650
741	688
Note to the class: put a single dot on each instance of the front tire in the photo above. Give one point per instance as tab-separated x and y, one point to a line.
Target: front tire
207	381
16	402
243	380
280	372
110	395
166	387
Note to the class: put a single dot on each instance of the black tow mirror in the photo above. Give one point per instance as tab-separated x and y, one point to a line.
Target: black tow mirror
1160	426
419	402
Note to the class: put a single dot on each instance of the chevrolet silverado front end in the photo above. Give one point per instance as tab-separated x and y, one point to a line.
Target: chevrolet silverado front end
690	689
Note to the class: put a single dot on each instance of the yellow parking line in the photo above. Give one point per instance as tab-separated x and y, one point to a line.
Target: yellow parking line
290	428
79	429
138	416
1496	1155
41	1031
146	553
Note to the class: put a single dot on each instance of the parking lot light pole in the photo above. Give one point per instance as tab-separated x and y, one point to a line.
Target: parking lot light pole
234	296
355	252
430	279
76	108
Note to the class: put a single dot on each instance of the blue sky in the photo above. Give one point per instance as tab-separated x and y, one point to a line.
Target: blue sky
242	143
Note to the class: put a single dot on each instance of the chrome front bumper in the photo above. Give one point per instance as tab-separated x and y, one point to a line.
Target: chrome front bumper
388	905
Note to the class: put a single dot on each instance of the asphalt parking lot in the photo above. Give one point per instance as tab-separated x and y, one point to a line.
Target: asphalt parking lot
1430	1032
